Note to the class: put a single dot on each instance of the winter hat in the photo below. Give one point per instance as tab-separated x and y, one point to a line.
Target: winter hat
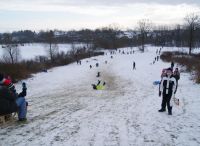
169	69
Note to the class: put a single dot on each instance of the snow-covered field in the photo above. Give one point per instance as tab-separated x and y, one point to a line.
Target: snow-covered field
30	51
65	111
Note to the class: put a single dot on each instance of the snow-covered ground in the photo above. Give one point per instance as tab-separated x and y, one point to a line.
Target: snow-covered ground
65	111
30	51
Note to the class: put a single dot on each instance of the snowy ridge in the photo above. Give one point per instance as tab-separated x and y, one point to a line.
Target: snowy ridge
65	111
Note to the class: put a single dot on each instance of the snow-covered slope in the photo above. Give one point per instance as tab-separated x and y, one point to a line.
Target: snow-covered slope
65	111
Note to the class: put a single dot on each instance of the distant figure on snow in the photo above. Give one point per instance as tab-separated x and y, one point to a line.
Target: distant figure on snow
98	74
134	65
172	65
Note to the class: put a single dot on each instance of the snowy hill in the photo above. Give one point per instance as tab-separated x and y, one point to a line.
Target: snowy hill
65	111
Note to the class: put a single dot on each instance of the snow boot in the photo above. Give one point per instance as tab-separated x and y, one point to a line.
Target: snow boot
22	120
170	111
161	110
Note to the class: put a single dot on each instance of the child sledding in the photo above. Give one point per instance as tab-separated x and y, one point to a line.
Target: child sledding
99	85
10	100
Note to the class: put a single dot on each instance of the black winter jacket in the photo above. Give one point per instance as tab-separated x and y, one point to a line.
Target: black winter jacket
7	101
168	85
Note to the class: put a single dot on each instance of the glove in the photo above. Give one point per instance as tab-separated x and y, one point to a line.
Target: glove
24	86
159	93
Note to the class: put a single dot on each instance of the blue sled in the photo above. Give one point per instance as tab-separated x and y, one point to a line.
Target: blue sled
156	82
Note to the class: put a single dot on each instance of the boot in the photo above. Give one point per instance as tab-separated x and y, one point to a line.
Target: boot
161	110
170	111
22	120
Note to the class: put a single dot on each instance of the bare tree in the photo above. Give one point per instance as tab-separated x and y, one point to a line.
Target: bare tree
11	52
53	47
193	21
144	27
132	36
114	32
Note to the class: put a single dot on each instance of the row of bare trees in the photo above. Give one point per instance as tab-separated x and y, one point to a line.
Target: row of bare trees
192	24
112	37
11	52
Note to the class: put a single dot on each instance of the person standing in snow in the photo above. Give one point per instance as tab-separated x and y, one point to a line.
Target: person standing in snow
176	75
157	58
167	89
134	65
172	65
10	101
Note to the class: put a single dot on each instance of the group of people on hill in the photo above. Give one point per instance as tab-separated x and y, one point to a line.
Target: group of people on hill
10	100
157	55
168	87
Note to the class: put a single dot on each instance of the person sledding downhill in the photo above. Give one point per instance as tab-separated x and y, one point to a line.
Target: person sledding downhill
10	100
99	86
167	89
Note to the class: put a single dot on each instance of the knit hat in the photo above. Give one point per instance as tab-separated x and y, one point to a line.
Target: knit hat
169	69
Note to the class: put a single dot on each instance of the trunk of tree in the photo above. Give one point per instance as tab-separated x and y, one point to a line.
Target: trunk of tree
191	41
142	41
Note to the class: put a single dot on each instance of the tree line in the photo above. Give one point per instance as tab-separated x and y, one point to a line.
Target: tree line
113	37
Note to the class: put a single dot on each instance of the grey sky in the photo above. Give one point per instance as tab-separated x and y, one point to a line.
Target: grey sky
77	14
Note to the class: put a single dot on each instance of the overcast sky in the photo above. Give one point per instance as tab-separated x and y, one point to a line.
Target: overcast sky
77	14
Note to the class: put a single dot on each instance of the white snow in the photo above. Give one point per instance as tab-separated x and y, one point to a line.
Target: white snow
30	51
65	111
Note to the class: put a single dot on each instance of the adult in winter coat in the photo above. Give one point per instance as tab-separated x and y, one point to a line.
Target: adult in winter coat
176	75
10	101
7	101
167	88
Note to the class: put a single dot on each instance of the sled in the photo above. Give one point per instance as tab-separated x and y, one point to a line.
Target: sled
156	82
7	118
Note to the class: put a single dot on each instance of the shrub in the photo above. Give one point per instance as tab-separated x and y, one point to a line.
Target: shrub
192	62
24	69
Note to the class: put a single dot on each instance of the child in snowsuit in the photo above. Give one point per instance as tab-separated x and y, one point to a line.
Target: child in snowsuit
167	88
10	100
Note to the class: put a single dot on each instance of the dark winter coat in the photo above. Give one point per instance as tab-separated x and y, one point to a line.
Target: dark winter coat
7	101
177	76
168	85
